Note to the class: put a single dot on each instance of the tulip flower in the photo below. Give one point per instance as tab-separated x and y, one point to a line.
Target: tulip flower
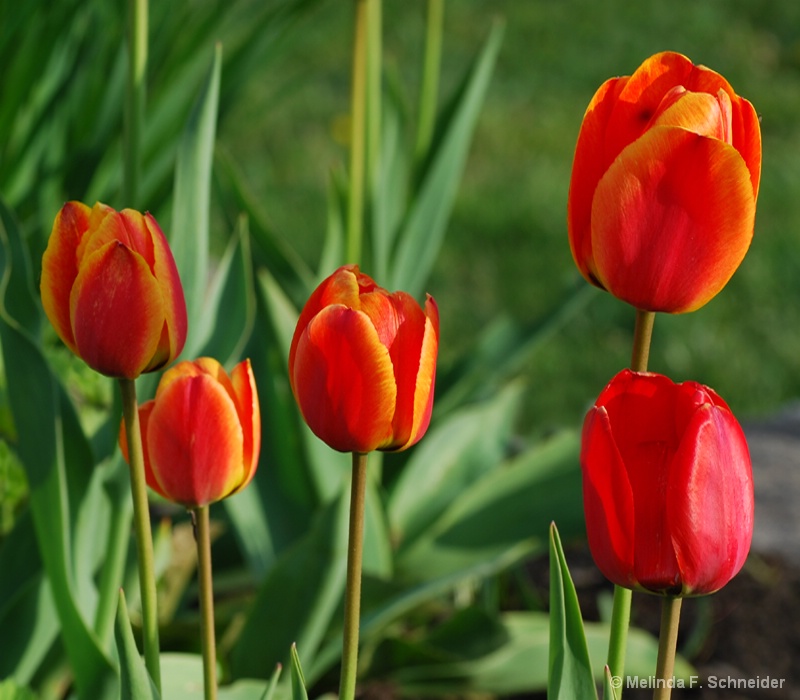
664	184
667	486
362	364
111	290
201	433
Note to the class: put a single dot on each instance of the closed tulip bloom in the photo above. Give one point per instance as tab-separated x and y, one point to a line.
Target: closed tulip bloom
201	434
111	290
667	486
664	184
362	364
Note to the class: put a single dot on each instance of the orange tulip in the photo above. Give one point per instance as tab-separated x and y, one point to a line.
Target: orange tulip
362	364
664	184
111	290
201	434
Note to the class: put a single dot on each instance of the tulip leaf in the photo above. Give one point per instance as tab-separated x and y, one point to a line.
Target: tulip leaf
276	252
520	498
32	614
384	603
52	447
570	668
189	229
424	228
10	690
297	598
609	685
135	682
454	454
231	309
19	298
390	190
298	680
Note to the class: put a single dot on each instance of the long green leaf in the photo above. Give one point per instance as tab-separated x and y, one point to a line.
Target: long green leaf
231	308
419	242
570	668
189	234
49	440
519	498
135	683
297	599
455	453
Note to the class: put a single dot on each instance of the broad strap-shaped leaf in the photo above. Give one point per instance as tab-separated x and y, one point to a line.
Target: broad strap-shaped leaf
422	233
49	438
455	453
298	598
520	497
189	228
135	682
570	668
231	308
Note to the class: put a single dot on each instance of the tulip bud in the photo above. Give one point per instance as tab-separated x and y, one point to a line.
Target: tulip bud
664	184
111	290
667	486
362	364
201	434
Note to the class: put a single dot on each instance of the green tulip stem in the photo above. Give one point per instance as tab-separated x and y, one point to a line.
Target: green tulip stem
202	537
135	100
667	643
621	610
352	599
430	79
642	334
358	115
618	634
144	536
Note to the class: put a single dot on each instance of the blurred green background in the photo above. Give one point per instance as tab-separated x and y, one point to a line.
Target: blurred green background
506	250
283	124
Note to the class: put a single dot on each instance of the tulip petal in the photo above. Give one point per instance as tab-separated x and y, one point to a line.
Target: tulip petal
166	272
343	380
588	167
244	386
195	441
117	312
710	501
671	220
426	376
60	267
144	419
607	500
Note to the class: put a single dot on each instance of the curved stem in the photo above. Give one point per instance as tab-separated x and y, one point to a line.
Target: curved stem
621	611
667	642
202	536
144	535
352	602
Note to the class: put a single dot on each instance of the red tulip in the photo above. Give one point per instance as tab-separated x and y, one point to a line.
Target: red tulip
362	364
664	184
667	486
201	434
111	290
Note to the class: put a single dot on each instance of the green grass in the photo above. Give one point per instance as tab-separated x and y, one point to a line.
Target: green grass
506	250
